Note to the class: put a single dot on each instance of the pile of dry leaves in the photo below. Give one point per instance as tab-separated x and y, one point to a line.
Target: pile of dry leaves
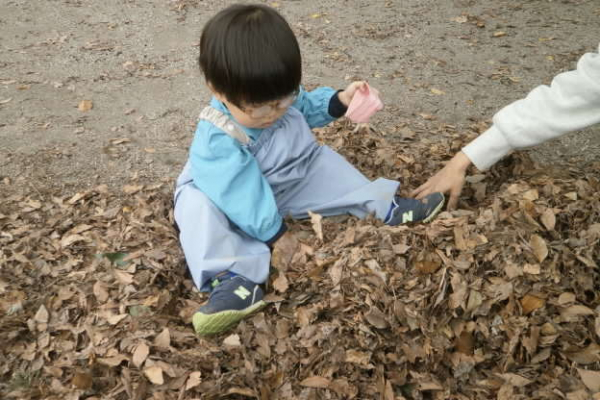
497	300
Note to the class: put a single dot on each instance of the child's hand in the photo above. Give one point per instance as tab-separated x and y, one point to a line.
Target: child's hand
347	94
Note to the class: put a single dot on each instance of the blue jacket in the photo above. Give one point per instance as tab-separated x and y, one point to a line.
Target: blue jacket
226	172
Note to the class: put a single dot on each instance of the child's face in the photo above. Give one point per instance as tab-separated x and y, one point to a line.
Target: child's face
259	115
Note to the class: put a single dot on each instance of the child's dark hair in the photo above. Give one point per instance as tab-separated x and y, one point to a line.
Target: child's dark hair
249	54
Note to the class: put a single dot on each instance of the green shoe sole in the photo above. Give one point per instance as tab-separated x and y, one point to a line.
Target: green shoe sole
436	211
211	324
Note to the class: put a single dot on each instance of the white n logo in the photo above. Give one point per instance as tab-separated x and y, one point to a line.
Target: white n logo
242	292
407	217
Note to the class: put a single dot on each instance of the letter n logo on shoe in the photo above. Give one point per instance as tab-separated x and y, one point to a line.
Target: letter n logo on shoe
242	292
407	217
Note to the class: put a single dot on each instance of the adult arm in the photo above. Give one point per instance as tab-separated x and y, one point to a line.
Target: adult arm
571	102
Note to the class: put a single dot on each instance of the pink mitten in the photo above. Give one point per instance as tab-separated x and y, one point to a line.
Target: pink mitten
364	104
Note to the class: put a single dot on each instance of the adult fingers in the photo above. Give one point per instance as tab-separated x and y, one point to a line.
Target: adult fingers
454	195
421	191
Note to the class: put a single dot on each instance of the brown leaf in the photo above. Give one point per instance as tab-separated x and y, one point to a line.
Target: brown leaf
531	303
460	238
154	374
281	283
538	245
100	291
358	357
531	195
283	251
428	262
114	319
140	354
316	219
591	379
42	316
335	272
193	380
376	318
70	239
163	339
131	189
533	269
243	391
515	380
548	219
575	311
566	298
342	387
316	382
85	105
232	340
465	343
123	277
586	356
113	360
82	381
475	300
459	295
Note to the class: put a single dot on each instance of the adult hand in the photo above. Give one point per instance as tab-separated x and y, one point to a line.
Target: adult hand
347	94
451	179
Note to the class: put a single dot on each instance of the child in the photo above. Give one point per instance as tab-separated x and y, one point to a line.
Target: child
254	160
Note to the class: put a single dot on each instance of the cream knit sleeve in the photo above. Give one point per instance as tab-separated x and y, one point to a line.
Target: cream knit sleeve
571	102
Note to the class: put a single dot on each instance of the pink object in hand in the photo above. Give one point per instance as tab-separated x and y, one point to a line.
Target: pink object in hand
364	104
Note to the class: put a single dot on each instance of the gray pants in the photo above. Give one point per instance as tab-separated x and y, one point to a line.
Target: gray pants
322	182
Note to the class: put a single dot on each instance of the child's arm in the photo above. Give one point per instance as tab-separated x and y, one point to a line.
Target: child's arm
320	106
324	105
230	176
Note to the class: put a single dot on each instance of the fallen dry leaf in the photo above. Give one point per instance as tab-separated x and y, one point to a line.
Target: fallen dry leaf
82	381
548	219
316	221
193	380
591	379
163	339
85	105
140	354
538	245
531	303
232	340
283	251
42	316
316	382
155	375
359	315
281	284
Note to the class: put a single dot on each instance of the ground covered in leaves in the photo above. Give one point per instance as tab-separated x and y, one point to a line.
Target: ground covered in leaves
498	300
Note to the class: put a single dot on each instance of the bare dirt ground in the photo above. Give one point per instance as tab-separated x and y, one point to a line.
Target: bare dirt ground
452	62
498	300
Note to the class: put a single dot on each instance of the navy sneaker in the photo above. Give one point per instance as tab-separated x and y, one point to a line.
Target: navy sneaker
233	298
404	210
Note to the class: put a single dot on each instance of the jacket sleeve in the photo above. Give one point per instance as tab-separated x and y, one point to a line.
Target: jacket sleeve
571	102
315	106
231	178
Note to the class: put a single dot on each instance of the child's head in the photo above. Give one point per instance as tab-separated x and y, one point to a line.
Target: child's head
251	60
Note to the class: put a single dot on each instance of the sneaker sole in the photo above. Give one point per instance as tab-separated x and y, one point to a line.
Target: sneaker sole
436	211
211	324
